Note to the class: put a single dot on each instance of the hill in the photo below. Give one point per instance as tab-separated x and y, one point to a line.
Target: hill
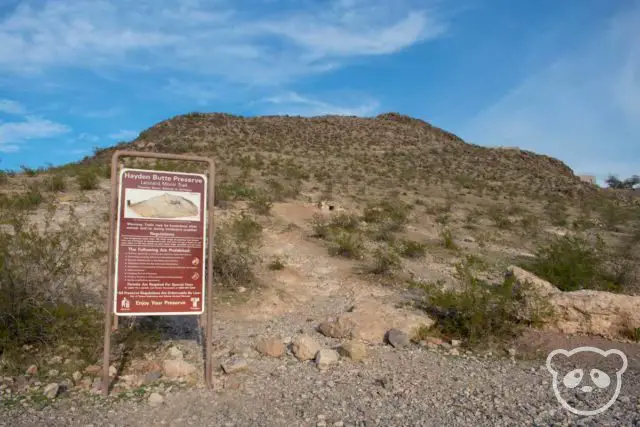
390	151
331	232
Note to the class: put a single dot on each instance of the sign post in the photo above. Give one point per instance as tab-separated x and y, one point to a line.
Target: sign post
163	224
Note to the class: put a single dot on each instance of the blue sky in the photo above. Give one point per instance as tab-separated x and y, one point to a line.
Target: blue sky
557	77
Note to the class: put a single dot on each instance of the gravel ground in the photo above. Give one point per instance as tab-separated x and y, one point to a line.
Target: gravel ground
409	387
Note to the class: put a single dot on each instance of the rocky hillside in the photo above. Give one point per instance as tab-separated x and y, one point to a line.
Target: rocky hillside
354	154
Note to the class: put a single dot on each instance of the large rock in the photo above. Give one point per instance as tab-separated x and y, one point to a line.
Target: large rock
372	319
305	348
177	368
582	312
271	347
235	364
326	358
354	350
596	313
398	338
51	390
343	327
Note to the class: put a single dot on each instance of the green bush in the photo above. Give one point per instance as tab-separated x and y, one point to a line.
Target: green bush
412	249
394	212
276	264
235	249
327	228
557	213
56	183
385	260
480	311
30	199
41	302
87	179
499	215
347	244
261	204
447	239
572	263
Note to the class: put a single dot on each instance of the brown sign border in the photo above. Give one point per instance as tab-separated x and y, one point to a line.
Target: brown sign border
117	250
110	319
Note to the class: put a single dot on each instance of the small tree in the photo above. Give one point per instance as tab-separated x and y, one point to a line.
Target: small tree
627	184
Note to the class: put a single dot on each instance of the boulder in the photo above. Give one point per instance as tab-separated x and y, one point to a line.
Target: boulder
271	347
326	358
354	350
341	328
177	368
372	319
587	312
235	364
305	348
397	338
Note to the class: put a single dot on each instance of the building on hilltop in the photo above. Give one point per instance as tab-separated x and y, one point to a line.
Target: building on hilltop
591	179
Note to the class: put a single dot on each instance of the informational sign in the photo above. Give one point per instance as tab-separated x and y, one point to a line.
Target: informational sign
160	243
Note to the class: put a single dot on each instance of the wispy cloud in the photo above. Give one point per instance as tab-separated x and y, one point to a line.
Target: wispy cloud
296	104
99	113
13	134
124	135
578	108
8	106
269	44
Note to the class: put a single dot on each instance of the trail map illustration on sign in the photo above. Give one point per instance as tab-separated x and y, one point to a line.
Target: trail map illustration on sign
160	243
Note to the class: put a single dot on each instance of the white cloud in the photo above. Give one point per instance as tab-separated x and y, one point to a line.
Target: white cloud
99	114
584	109
269	44
13	134
124	135
294	104
8	106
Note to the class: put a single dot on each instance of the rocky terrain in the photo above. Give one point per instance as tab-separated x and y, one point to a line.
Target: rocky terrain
327	315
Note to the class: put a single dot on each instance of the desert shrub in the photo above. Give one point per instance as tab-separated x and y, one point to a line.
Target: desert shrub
87	179
446	235
235	248
393	212
326	228
230	191
4	177
283	190
56	183
344	221
613	217
443	218
276	264
530	224
557	214
583	222
347	244
412	249
320	227
572	263
499	216
385	260
28	171
632	334
261	204
383	233
480	311
30	199
41	301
